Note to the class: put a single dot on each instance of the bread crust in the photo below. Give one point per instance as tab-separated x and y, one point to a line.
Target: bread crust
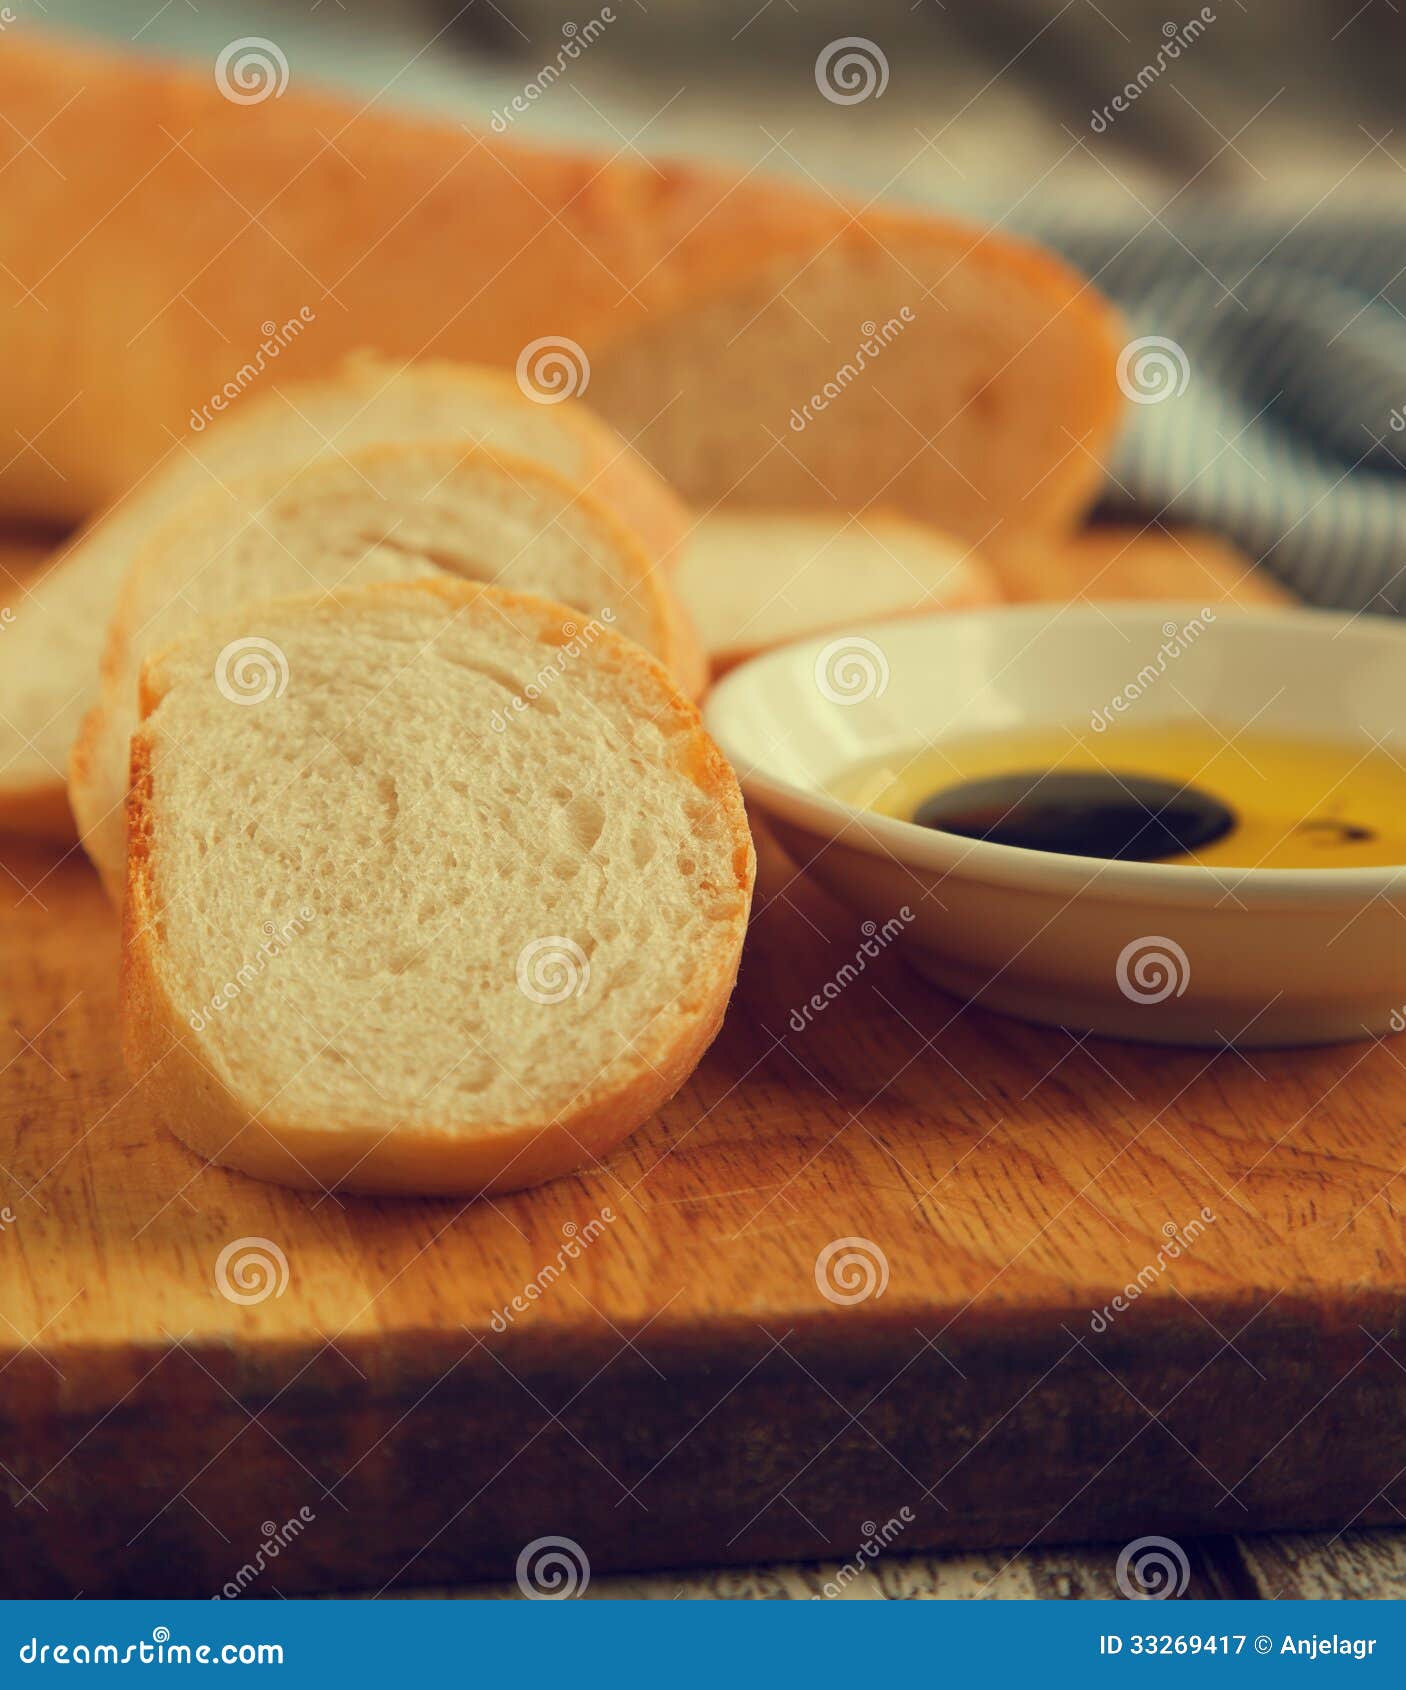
163	1054
485	243
611	470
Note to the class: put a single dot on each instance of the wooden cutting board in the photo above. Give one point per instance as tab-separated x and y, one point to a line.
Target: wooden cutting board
681	1380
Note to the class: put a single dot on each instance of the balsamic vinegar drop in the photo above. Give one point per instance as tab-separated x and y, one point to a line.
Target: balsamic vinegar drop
1082	814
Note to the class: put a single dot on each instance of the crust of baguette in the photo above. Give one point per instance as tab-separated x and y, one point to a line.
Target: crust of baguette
163	1055
483	242
611	470
679	650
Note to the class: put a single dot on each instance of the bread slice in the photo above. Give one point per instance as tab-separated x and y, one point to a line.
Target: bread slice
49	677
454	908
751	580
381	513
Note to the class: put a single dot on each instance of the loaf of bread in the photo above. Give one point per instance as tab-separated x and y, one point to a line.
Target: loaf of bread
452	906
378	513
751	580
165	250
49	677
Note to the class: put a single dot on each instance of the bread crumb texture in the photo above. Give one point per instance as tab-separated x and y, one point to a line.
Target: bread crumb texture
408	855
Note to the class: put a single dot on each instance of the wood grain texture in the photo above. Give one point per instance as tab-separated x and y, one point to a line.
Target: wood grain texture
1059	1574
682	1391
1347	1566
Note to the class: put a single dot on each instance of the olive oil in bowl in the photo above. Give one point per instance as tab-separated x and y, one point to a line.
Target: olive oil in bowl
1181	792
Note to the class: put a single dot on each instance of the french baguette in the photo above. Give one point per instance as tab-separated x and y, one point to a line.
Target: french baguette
160	225
49	677
380	513
375	940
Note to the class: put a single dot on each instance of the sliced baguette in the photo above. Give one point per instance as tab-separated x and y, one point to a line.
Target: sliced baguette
381	513
720	320
454	909
49	677
751	580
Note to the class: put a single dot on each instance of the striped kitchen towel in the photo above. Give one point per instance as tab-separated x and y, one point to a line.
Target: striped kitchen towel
1266	369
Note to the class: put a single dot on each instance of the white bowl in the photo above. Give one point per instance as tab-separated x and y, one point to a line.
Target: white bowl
1156	951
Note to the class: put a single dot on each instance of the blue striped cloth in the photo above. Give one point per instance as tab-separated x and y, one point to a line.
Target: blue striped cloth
1270	361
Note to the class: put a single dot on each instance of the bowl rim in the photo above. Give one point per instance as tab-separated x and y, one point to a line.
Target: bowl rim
1015	866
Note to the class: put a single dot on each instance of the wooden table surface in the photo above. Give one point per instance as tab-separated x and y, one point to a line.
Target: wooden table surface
1346	1565
974	133
1271	1567
49	1330
1352	1564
